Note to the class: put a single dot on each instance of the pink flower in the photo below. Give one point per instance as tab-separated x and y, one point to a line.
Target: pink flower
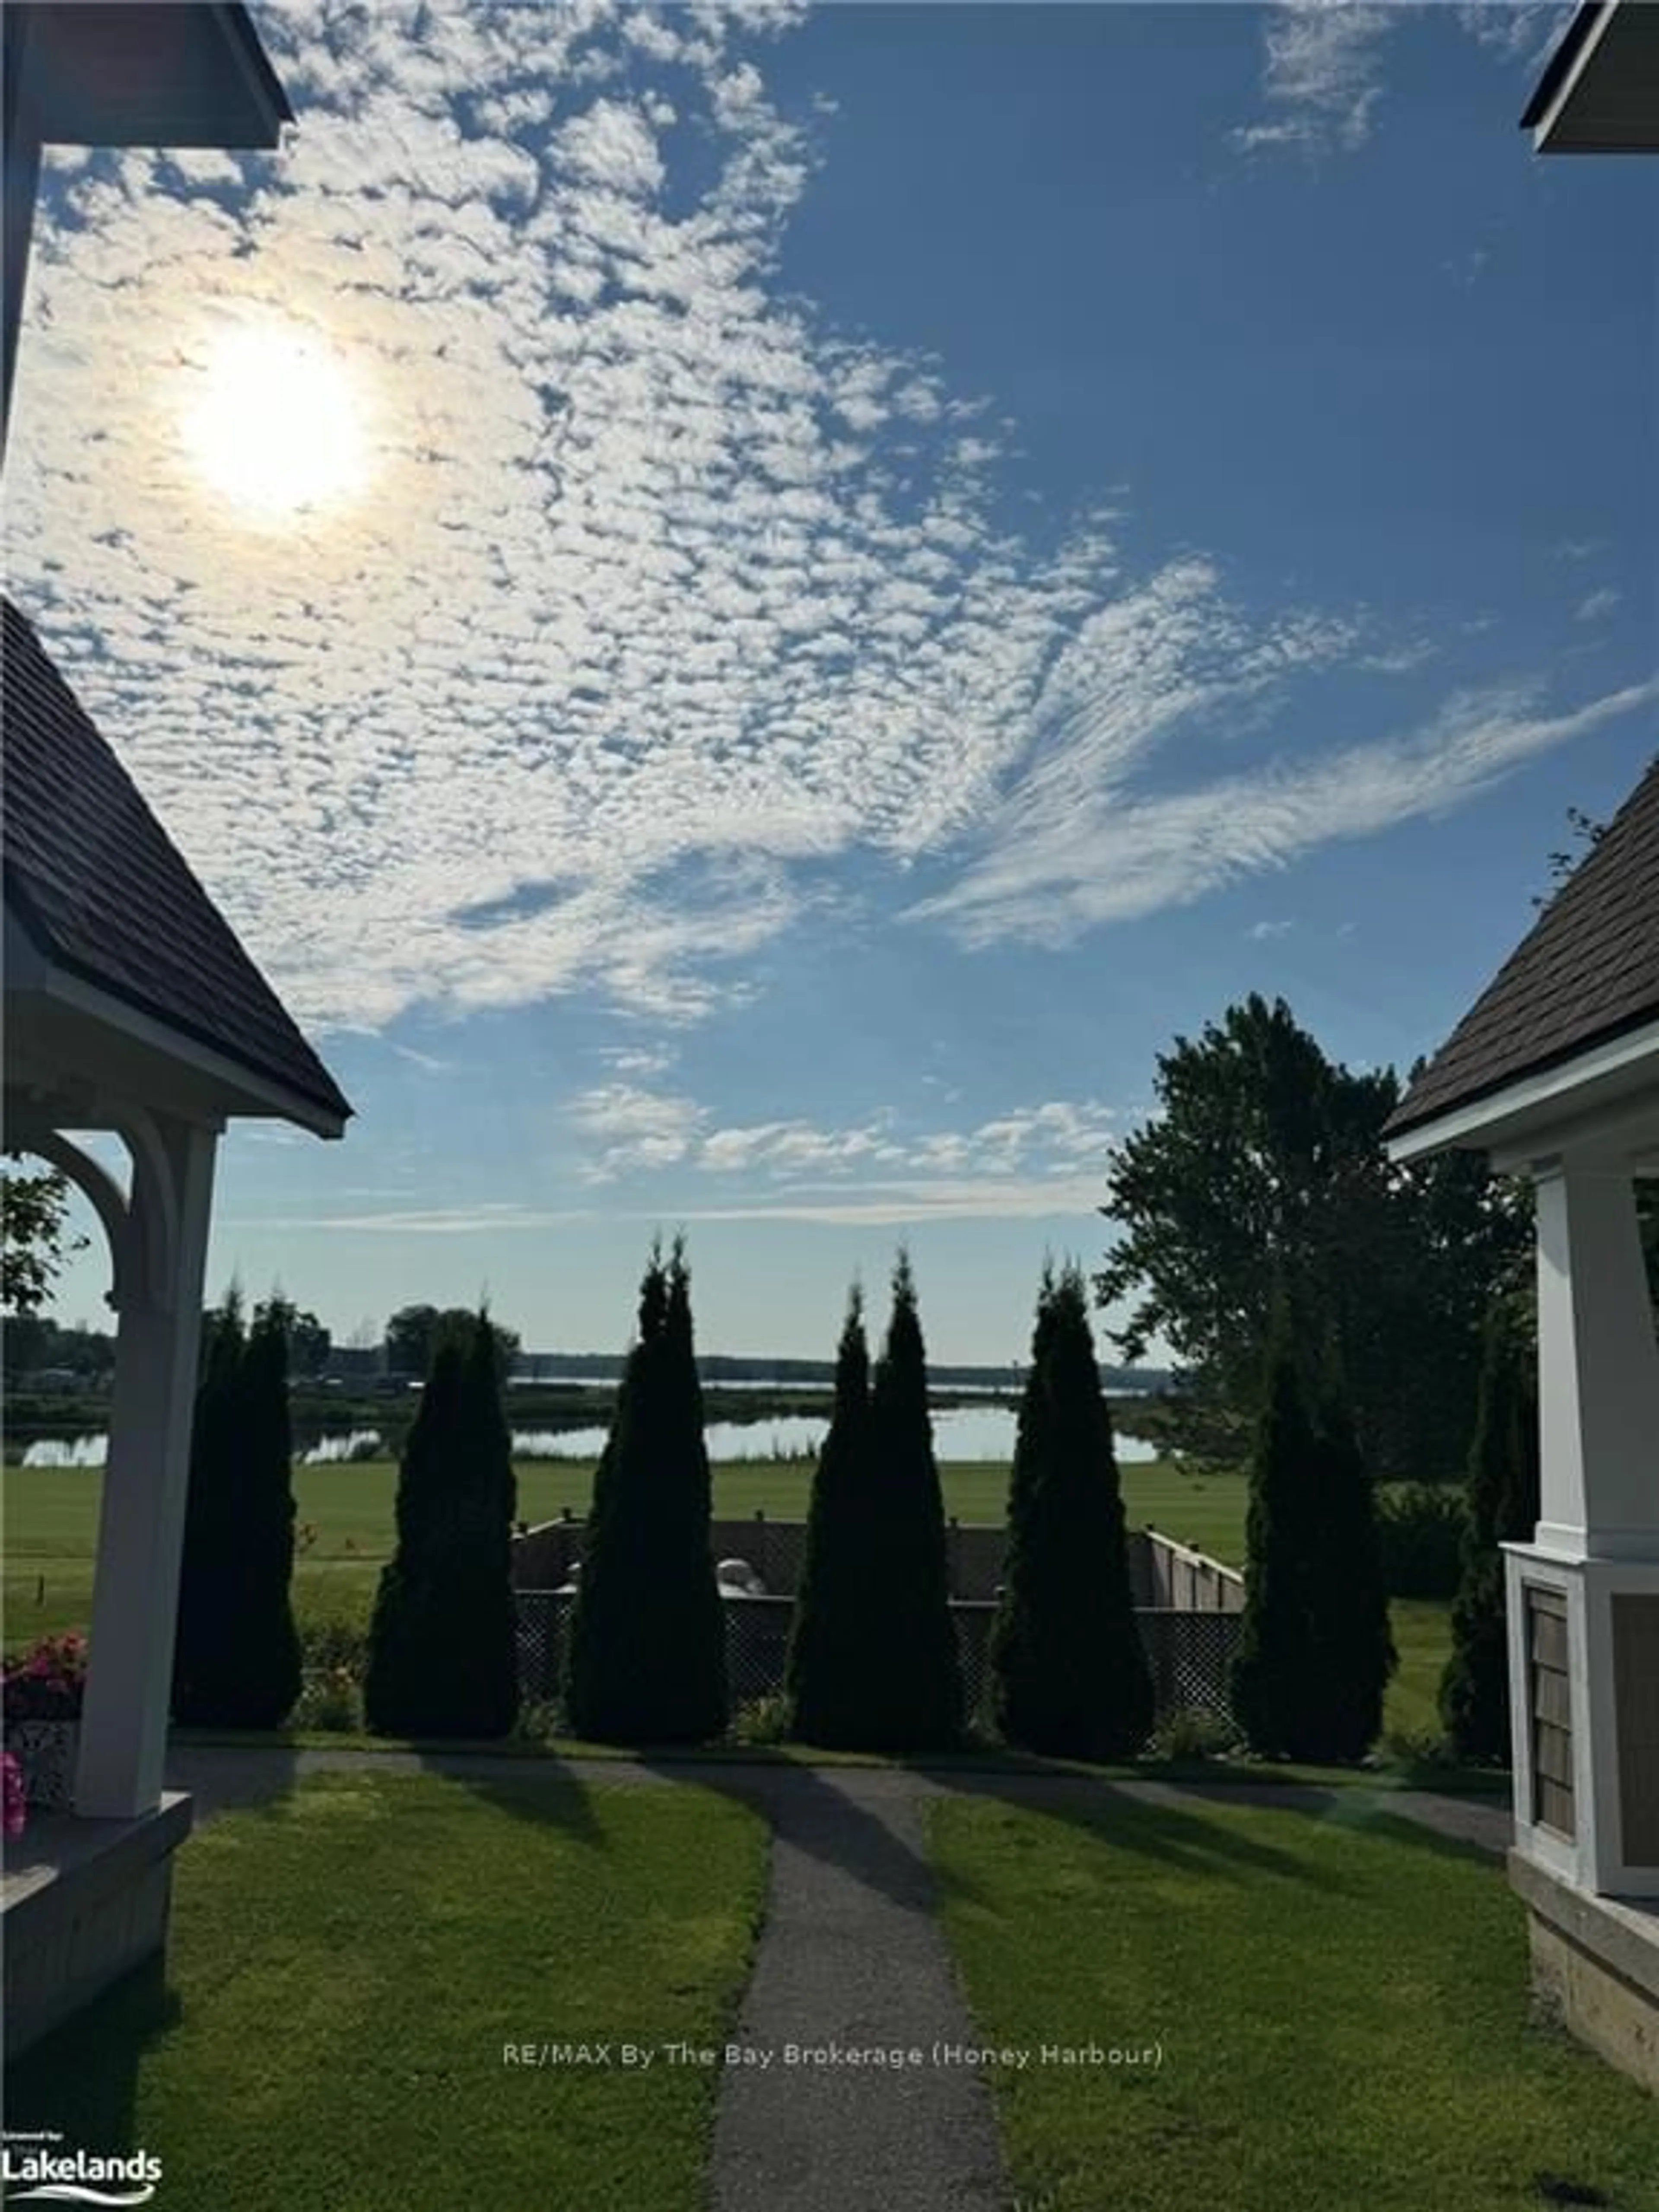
15	1804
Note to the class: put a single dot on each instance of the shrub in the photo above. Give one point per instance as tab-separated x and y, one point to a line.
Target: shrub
1420	1527
331	1699
1193	1733
48	1682
1069	1675
763	1720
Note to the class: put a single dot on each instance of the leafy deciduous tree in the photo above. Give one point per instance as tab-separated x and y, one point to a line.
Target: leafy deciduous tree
1268	1160
34	1237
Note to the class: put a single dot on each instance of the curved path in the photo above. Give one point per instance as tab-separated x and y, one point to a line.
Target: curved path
851	1959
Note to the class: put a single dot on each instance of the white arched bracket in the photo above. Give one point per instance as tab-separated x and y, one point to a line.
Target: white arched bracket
153	1208
108	1201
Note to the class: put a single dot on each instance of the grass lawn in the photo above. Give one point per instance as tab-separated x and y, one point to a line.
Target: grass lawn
50	1521
1341	2006
347	1963
50	1528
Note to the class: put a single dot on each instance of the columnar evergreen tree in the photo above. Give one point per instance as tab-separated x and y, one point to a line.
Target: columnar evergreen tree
1315	1653
1504	1506
1069	1674
442	1657
646	1659
1354	1645
828	1678
207	1596
912	1673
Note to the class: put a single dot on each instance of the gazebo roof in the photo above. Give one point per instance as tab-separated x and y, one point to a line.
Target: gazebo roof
1585	974
102	893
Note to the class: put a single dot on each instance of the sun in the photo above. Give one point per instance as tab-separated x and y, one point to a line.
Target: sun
276	422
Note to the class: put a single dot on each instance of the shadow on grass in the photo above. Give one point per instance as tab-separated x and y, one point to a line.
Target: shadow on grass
820	1814
1171	1824
81	2080
258	1773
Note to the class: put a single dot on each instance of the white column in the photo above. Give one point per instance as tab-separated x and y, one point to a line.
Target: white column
141	1531
1598	1369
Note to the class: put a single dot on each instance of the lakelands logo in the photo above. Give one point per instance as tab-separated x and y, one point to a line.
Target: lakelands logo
35	2174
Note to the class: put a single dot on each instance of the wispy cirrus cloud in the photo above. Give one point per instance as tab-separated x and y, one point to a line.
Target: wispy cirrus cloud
1598	605
1325	69
1056	870
1323	75
660	594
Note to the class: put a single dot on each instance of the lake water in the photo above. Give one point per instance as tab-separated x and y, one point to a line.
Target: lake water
963	1432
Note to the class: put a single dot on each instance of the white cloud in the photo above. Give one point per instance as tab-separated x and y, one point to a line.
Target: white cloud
1326	70
1055	869
1261	932
1520	31
1323	77
661	595
1597	605
637	1130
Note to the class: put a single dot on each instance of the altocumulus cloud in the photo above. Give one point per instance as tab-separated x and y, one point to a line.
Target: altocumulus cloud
658	594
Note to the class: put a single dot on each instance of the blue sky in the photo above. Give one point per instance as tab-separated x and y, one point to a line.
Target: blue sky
749	613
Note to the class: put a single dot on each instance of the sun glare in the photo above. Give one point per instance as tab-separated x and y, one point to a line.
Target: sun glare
276	423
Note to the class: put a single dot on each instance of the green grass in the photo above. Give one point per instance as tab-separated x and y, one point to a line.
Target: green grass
50	1521
347	1963
1341	2005
51	1526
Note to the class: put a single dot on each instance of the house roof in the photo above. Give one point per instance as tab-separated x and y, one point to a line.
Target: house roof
1599	92
142	73
100	888
1587	972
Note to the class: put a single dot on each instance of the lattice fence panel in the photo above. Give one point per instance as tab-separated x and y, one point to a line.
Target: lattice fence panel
1189	1653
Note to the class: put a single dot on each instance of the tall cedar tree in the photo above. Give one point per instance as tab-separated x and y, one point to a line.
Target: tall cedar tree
1503	1507
1355	1646
1069	1675
442	1657
646	1660
907	1694
207	1597
1315	1652
827	1648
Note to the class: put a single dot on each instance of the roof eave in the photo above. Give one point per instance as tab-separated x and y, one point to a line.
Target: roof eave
1599	93
1598	1078
222	91
265	1094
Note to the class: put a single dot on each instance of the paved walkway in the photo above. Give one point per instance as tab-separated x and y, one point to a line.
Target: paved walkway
851	1958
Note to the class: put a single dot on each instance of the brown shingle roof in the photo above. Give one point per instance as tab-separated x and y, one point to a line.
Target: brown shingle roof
1586	972
100	887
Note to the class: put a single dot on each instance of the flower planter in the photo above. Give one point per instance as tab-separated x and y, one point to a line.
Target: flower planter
46	1753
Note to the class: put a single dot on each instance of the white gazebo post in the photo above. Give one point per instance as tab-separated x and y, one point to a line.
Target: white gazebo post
1583	1596
141	1531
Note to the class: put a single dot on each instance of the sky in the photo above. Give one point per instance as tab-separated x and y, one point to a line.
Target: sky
749	611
